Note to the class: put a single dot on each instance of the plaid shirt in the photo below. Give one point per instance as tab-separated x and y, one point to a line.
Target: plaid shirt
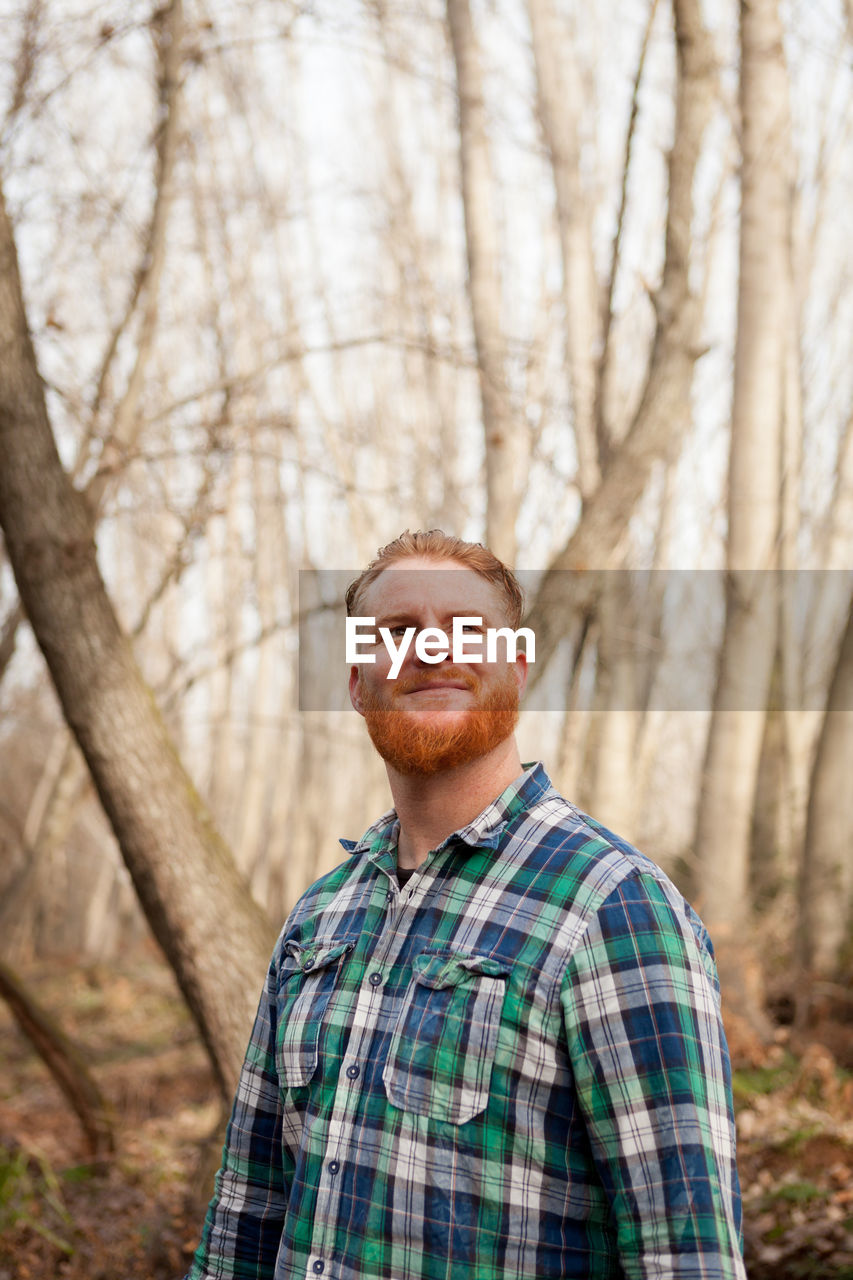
513	1067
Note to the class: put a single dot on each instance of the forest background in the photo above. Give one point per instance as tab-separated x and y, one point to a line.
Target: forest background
278	280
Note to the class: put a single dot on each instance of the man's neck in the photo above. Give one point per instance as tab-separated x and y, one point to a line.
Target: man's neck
430	808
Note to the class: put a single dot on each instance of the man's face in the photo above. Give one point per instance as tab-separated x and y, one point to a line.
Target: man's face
435	716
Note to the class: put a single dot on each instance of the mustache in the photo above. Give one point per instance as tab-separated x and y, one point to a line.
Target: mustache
406	684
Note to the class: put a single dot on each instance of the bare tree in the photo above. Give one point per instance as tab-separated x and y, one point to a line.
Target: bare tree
826	918
762	348
660	419
122	412
216	938
64	1061
559	98
484	283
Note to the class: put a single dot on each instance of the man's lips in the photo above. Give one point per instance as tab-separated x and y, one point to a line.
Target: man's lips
440	683
436	685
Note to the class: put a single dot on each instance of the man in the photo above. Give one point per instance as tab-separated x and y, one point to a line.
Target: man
490	1044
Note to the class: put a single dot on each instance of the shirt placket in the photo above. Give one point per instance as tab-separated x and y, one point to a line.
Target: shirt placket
401	906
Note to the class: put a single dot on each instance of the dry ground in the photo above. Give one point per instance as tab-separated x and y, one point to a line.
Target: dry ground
132	1218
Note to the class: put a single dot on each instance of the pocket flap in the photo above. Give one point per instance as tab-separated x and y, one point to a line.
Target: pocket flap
438	971
316	955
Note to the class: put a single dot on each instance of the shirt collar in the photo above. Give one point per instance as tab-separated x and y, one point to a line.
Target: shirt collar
486	829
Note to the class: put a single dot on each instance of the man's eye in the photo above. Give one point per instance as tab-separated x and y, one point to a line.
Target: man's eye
472	628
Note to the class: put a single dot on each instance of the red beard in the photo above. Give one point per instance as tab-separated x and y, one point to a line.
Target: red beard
413	744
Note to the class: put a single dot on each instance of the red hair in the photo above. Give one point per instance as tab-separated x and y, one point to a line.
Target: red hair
434	544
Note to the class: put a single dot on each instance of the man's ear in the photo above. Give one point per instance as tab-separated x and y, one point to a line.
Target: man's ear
355	690
521	672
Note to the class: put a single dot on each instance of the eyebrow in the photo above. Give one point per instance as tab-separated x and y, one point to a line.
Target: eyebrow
406	616
395	620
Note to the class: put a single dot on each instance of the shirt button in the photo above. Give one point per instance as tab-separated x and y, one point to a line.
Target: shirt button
333	1166
353	1071
319	1266
375	979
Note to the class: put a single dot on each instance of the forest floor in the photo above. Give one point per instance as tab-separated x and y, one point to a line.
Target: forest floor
138	1216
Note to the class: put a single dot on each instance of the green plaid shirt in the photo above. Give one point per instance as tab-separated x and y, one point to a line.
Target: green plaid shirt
513	1067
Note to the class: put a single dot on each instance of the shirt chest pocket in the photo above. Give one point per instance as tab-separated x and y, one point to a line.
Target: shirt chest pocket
308	977
441	1051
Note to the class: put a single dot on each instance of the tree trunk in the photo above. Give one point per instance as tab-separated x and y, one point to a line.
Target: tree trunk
826	619
266	702
484	283
222	582
63	1061
214	935
749	643
604	425
779	809
49	894
660	418
827	877
9	636
558	100
771	836
612	797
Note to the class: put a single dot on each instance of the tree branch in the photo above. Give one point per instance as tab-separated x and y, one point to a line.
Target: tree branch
63	1060
125	424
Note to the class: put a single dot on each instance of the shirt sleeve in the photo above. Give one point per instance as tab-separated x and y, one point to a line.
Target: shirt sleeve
243	1227
640	1003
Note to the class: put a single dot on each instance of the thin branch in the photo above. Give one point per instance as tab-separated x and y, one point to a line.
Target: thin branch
106	35
167	699
235	383
194	522
125	425
25	61
602	429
